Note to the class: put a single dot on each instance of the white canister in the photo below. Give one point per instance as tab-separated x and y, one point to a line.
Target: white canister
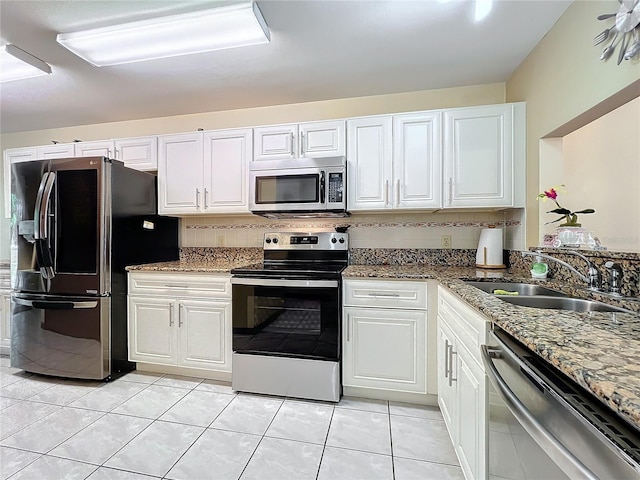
490	249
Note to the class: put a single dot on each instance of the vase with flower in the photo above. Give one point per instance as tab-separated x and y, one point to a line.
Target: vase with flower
570	232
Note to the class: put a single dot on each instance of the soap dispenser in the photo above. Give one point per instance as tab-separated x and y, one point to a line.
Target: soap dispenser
539	269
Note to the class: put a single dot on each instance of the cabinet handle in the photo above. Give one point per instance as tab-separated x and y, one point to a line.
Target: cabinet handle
450	190
205	198
446	358
180	315
386	193
197	198
293	139
374	294
301	144
348	329
451	354
171	315
117	154
398	193
176	285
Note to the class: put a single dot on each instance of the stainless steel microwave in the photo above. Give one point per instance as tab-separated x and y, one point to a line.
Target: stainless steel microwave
298	188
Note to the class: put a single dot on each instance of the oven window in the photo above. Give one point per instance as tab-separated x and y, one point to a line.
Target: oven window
286	321
288	189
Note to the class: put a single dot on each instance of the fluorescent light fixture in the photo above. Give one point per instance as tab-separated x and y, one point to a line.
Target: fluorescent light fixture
483	8
170	36
16	64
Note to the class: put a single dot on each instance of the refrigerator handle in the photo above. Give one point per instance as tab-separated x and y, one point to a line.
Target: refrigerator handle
41	225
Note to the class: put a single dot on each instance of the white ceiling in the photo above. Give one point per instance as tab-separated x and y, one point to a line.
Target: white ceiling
320	49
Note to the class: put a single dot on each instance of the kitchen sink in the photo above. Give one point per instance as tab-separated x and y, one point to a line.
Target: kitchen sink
521	288
561	303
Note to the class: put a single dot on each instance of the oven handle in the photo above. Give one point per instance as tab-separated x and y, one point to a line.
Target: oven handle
282	282
573	467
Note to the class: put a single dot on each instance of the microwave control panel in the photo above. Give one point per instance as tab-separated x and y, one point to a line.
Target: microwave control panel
335	188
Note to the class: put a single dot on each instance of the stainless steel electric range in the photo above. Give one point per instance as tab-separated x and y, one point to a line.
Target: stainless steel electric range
287	314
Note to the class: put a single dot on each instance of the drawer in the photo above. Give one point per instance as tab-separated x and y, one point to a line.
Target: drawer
389	294
180	285
467	324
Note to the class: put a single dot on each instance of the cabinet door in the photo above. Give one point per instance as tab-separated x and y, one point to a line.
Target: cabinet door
205	335
59	150
153	330
140	153
14	155
447	372
416	160
227	155
180	171
5	324
102	148
478	156
384	349
322	139
369	163
471	427
275	142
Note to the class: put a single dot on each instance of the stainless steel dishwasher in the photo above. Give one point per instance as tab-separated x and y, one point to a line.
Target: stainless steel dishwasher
543	425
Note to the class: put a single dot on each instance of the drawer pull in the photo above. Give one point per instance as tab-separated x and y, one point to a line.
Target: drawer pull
374	294
176	285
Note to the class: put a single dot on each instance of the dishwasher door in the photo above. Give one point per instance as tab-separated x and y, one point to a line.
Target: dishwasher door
545	426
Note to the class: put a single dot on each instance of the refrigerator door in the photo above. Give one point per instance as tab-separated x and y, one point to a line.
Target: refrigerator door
61	336
61	226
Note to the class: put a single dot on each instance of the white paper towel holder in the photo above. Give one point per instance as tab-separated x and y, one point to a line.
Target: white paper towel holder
490	252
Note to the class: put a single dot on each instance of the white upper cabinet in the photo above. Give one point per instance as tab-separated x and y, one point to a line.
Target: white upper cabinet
100	148
369	163
416	160
481	150
58	150
318	139
180	174
322	139
140	153
14	155
204	172
227	154
394	162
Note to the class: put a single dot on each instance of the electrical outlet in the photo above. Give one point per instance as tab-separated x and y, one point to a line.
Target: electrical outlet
445	241
220	241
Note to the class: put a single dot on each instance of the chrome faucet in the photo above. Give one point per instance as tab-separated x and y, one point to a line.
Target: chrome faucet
615	277
593	278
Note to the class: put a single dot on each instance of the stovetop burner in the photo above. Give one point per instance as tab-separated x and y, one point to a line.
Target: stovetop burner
296	255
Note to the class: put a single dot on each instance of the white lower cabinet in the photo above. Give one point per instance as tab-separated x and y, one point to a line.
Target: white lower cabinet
5	323
462	384
384	341
180	320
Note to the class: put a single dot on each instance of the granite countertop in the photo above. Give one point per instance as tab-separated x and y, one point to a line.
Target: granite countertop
191	265
598	350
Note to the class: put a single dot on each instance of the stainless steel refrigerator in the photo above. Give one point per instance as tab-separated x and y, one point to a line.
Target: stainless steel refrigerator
76	224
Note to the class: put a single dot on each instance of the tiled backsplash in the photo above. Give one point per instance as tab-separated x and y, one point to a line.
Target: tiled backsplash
399	230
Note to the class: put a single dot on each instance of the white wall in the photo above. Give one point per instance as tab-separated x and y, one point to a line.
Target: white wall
601	170
566	85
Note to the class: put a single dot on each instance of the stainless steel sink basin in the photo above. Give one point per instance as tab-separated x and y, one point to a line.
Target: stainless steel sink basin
521	288
561	303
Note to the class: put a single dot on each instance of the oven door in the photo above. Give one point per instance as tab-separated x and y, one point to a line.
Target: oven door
287	190
289	318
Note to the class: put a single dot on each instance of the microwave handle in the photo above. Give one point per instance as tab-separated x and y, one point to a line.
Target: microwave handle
323	200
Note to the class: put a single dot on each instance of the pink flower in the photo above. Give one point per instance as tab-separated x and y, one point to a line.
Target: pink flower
551	193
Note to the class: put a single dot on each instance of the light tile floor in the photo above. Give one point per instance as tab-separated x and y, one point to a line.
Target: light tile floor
144	426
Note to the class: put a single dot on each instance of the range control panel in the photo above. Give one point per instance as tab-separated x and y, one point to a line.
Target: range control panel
306	241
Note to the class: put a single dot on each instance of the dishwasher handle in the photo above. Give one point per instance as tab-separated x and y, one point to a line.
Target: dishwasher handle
573	467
